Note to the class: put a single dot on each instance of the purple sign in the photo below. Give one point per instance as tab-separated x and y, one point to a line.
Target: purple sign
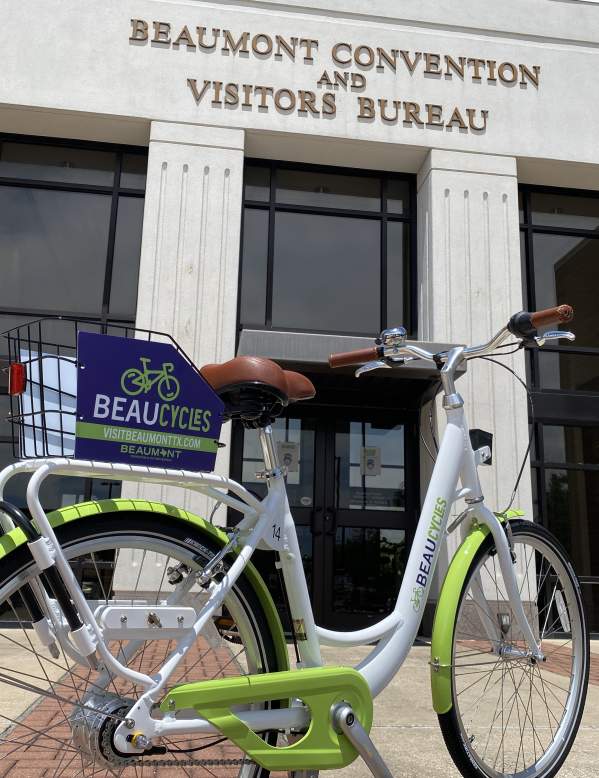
142	403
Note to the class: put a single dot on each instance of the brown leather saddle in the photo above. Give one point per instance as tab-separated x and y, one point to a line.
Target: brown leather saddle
255	389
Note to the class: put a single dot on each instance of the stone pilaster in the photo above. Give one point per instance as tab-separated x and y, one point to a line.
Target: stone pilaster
470	282
190	255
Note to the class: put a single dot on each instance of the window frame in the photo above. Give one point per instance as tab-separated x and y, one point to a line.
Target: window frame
410	290
554	407
114	192
570	402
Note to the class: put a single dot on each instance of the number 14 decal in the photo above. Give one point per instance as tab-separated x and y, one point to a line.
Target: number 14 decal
276	531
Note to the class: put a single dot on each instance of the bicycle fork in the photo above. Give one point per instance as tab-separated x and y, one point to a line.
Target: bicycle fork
507	564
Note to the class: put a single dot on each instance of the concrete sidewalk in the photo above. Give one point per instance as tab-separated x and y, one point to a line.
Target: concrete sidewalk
406	731
405	727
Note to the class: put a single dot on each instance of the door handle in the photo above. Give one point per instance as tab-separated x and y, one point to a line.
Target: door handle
330	525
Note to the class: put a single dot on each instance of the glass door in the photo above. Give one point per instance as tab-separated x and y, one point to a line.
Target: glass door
296	445
367	527
352	485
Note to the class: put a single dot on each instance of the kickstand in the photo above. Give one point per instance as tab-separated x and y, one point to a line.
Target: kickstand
345	721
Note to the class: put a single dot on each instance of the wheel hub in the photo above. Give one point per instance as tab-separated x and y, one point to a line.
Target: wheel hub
93	728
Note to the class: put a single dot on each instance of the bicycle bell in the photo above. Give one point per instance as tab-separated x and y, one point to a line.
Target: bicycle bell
394	336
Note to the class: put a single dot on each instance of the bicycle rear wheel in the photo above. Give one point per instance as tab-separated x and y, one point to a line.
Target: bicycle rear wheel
511	715
64	719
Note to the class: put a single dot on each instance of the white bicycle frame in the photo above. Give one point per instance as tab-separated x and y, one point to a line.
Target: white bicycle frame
269	524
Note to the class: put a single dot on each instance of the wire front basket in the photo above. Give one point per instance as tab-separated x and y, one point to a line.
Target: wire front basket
43	380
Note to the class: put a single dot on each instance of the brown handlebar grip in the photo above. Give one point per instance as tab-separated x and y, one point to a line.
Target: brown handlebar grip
359	357
561	314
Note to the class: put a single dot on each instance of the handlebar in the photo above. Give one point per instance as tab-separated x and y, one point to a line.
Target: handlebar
561	314
358	357
522	325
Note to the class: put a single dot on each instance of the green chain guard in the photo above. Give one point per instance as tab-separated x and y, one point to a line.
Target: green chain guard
321	748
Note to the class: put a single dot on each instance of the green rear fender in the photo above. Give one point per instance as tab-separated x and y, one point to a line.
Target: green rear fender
82	511
446	613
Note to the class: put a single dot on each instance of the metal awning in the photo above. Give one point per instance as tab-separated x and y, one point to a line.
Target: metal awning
302	348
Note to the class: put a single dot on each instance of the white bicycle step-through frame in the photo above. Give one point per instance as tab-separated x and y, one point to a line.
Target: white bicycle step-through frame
269	524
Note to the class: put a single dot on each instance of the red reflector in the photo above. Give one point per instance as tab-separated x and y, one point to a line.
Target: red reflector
17	378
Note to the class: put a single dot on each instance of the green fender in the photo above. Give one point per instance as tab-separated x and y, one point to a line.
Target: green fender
16	538
446	613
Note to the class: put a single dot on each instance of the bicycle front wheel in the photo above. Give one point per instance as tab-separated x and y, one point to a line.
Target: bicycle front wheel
512	715
59	716
168	388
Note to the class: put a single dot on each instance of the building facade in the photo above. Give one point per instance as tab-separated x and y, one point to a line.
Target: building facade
286	180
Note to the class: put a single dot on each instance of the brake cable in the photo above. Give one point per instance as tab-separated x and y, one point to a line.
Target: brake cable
532	418
489	358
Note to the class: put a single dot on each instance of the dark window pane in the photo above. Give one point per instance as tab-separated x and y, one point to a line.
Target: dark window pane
326	273
398	196
62	490
521	206
127	248
54	493
523	263
368	567
105	490
536	509
570	372
370	466
16	487
257	183
572	503
560	210
590	598
53	249
328	190
294	439
565	272
572	445
57	163
254	266
133	171
397	257
5	424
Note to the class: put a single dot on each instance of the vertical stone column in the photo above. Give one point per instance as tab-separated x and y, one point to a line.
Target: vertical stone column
470	282
190	256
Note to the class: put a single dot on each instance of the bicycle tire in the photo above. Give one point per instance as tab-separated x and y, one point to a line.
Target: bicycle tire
129	375
88	542
477	757
166	381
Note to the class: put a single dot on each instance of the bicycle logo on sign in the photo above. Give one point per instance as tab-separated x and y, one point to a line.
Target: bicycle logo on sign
135	381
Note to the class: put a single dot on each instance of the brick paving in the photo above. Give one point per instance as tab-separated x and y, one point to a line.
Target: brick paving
39	746
558	657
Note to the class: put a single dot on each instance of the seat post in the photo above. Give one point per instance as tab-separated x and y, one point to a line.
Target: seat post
269	450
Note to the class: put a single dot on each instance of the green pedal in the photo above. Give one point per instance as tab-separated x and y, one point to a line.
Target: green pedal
320	688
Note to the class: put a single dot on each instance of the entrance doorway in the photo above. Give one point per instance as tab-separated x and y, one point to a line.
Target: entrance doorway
353	490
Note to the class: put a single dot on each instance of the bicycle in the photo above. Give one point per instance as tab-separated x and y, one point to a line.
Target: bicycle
130	665
135	381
